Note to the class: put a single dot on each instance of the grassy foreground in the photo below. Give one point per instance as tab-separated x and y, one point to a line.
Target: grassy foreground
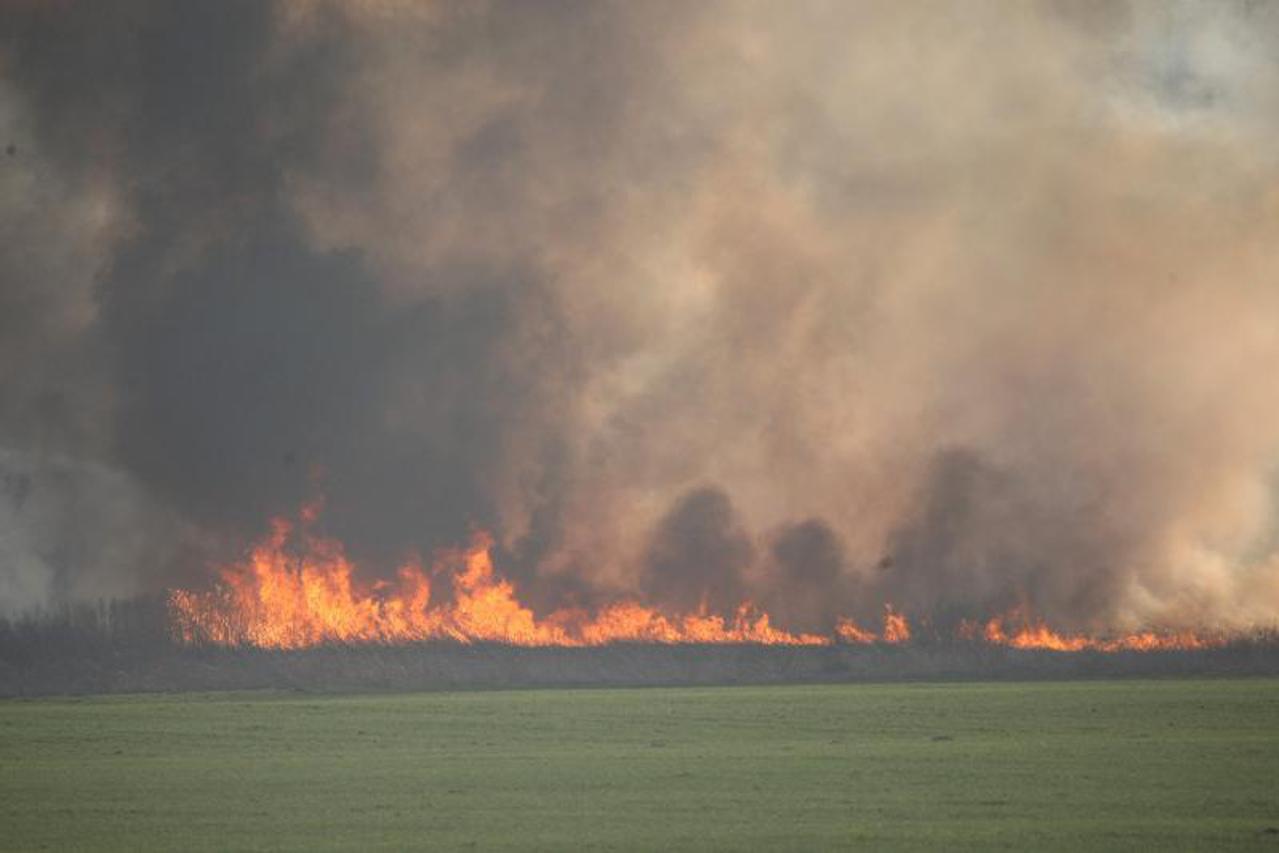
1126	764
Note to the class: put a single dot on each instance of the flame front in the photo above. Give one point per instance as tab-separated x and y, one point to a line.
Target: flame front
1032	633
292	597
276	599
896	630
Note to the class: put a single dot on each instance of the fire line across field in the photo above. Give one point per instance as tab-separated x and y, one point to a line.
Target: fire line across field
294	594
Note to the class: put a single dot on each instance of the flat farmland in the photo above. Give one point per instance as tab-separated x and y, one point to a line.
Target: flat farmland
1170	764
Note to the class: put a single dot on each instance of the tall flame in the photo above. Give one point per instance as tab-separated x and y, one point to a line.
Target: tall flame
288	597
278	599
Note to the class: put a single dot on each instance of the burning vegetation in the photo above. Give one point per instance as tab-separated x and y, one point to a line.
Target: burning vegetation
816	357
296	589
293	598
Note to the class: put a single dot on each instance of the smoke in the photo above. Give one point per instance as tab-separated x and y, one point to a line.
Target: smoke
75	531
820	304
807	584
697	555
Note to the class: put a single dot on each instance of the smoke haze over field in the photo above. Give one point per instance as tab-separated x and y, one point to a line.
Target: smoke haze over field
958	306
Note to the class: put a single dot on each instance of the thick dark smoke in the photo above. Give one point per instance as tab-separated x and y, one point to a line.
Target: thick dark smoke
807	584
820	305
698	555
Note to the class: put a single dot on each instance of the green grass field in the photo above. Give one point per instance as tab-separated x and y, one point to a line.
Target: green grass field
1125	764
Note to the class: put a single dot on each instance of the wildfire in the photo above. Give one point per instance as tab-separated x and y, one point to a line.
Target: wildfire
281	599
295	590
896	630
1032	633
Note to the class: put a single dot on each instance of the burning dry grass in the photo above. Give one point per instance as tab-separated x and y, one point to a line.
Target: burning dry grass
297	590
285	598
296	614
126	649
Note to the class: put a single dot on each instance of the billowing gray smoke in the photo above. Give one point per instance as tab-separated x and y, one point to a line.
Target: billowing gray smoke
957	306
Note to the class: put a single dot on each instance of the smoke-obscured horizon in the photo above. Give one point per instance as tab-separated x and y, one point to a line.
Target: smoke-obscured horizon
823	305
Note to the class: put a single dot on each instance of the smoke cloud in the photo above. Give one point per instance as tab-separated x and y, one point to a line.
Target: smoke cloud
818	304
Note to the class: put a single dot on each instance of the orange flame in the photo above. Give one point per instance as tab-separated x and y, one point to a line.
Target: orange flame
850	632
276	599
1033	633
896	630
285	597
